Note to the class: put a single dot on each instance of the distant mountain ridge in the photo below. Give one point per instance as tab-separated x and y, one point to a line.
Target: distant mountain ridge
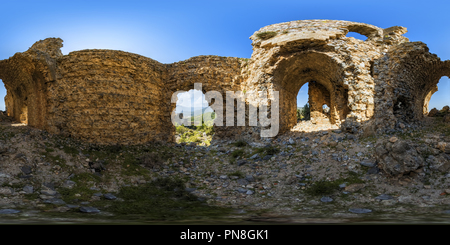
191	111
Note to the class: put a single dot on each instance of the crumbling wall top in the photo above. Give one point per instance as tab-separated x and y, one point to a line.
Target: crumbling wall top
279	34
51	46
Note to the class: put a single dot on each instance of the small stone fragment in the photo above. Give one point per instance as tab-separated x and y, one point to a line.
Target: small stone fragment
354	187
326	199
360	210
110	196
384	197
393	139
9	211
89	210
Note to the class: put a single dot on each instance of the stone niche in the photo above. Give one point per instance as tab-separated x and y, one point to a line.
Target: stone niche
115	97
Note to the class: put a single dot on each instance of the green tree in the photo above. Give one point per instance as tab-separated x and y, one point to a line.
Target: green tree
306	112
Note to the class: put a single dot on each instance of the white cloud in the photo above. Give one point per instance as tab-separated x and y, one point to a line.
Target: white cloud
193	98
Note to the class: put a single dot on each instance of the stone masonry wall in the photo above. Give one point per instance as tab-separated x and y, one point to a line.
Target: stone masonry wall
406	77
109	96
25	76
318	97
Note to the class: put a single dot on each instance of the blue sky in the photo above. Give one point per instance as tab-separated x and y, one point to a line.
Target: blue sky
170	31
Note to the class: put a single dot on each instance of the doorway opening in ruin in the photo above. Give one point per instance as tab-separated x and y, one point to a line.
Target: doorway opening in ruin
437	98
24	113
319	96
2	96
193	108
303	108
18	102
315	113
315	79
7	108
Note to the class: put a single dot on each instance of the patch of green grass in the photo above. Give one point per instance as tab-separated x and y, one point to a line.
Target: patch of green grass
109	153
426	154
369	139
130	165
272	150
237	173
70	150
237	153
83	178
191	136
267	151
258	150
266	35
154	159
114	149
329	187
197	134
181	129
52	158
352	178
48	150
13	185
82	181
32	196
6	134
240	143
322	188
162	199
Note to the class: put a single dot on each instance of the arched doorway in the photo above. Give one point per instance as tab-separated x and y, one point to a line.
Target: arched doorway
194	118
2	96
437	98
324	78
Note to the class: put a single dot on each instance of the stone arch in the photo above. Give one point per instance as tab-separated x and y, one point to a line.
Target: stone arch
26	96
407	88
212	73
322	73
423	87
369	32
432	89
426	102
364	29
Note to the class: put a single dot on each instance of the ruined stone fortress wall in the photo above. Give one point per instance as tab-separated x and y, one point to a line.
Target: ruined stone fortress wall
107	96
